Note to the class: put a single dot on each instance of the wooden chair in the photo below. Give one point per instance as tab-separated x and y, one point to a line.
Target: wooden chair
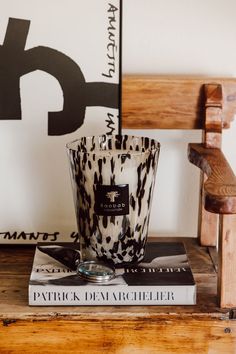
208	104
207	327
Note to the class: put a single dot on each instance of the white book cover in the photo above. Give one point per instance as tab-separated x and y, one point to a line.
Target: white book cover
59	80
164	277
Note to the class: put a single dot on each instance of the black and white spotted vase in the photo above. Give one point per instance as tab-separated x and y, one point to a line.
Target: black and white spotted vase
113	179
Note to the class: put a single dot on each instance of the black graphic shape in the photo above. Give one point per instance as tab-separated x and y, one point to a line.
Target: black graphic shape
15	62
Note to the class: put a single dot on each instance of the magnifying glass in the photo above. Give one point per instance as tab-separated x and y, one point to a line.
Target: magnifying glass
95	271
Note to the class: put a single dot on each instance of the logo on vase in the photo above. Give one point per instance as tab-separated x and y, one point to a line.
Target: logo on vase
112	200
112	195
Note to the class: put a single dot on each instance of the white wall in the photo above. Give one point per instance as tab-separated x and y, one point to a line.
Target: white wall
179	37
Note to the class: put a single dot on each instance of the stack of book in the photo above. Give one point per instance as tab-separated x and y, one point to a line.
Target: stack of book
164	277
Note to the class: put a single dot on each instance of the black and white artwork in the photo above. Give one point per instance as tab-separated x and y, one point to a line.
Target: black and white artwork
59	80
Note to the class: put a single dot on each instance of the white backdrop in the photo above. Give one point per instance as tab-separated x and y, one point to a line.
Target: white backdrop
180	37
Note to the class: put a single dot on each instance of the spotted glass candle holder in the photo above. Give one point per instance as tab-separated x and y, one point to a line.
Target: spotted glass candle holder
113	179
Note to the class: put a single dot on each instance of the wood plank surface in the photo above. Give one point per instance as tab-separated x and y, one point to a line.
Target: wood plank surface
171	102
165	336
203	328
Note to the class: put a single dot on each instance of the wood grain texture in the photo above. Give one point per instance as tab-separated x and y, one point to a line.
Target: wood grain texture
227	261
208	223
162	102
204	328
163	336
220	187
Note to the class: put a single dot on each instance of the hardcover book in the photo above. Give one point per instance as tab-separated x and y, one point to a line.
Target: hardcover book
60	74
164	277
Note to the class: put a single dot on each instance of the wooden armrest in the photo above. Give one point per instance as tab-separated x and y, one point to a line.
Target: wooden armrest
220	187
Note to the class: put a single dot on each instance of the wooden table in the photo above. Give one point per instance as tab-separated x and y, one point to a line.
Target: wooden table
204	328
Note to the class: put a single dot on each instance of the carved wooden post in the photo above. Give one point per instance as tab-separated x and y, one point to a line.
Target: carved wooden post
227	262
208	222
